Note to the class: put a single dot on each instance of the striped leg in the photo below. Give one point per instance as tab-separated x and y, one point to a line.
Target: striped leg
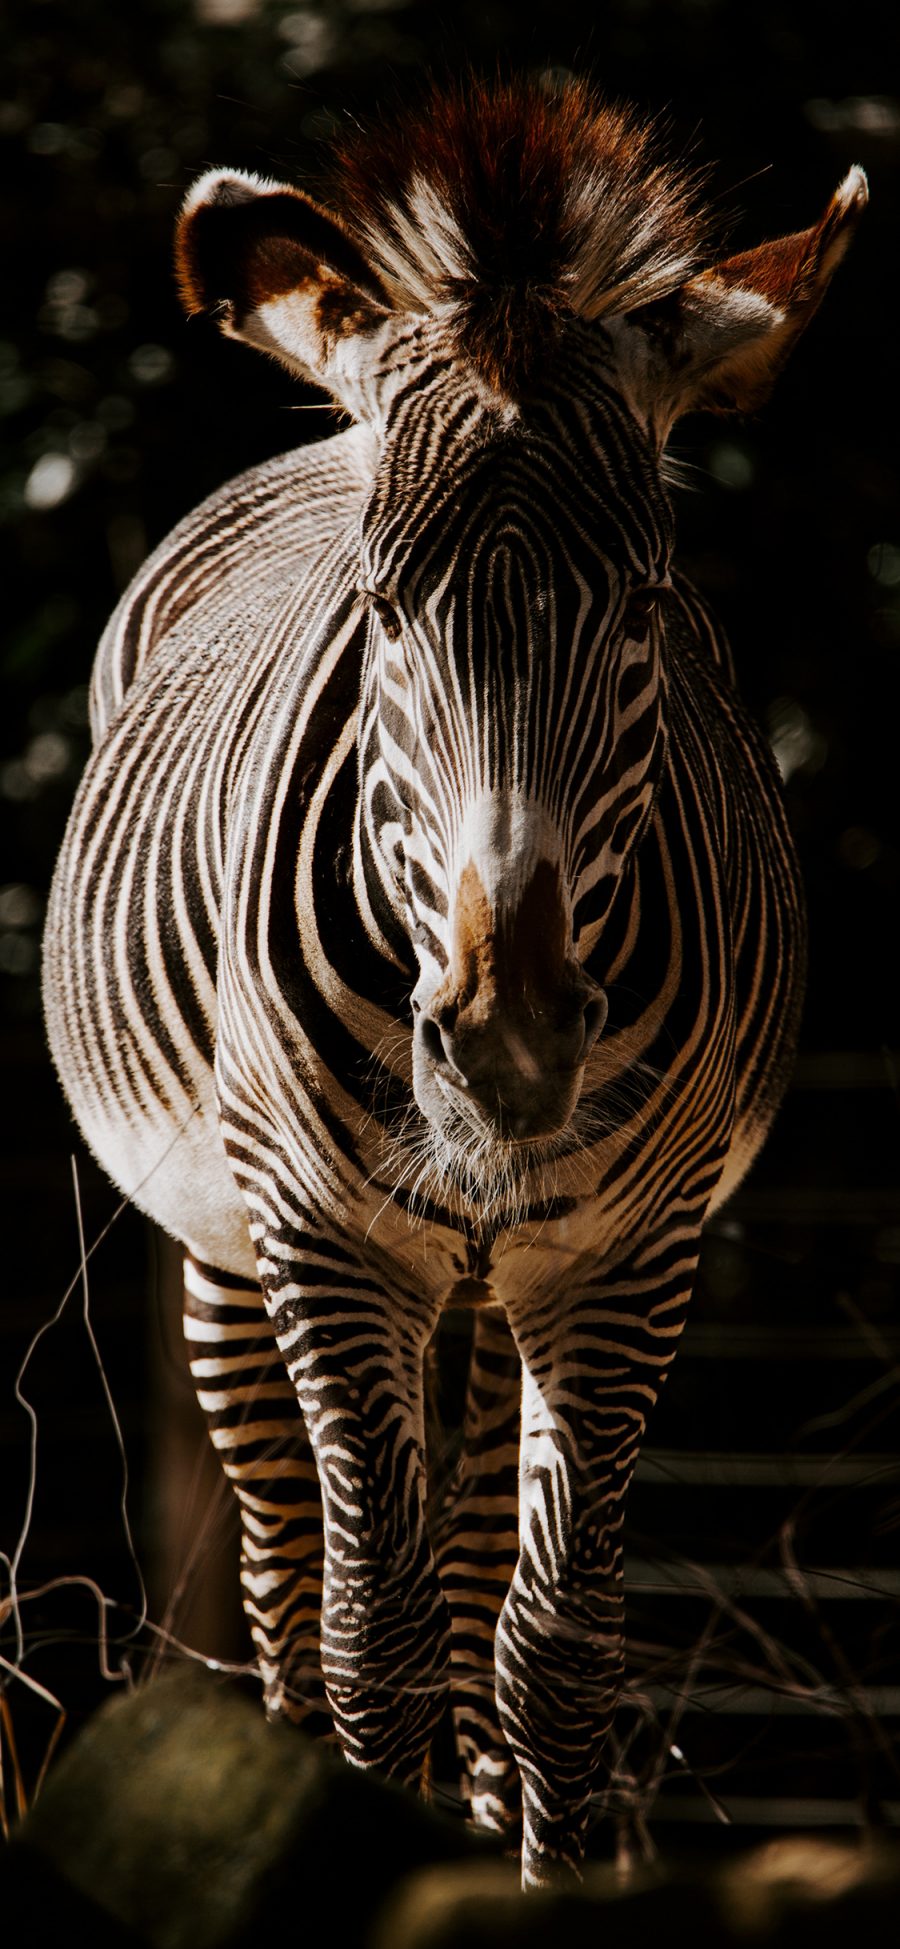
262	1445
476	1550
592	1369
355	1356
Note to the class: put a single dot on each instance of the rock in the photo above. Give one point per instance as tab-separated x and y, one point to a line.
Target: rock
478	1905
793	1893
182	1817
803	1892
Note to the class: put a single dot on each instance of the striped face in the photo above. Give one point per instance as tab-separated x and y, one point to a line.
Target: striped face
513	726
511	270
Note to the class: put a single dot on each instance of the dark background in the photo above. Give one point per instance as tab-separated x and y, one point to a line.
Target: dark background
117	417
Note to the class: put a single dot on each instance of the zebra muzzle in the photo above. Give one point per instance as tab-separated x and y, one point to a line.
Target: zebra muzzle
514	1070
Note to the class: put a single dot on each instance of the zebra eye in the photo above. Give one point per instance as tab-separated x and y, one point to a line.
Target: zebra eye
640	609
387	616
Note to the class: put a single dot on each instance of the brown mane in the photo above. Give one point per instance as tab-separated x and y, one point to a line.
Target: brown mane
506	207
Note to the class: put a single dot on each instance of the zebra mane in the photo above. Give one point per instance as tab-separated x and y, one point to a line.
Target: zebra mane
506	207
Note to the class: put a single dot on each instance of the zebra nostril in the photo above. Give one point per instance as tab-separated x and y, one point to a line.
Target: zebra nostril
431	1039
594	1018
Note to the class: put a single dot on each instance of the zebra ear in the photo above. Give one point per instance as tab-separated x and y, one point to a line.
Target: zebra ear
722	341
279	272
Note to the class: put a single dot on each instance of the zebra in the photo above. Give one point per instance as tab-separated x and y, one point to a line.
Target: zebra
427	932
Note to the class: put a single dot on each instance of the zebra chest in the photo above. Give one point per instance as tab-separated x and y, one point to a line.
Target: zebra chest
315	1062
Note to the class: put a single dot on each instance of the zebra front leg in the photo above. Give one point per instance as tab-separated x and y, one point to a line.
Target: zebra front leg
261	1441
592	1369
355	1356
476	1549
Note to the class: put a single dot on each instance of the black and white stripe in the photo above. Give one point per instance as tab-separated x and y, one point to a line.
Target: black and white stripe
427	932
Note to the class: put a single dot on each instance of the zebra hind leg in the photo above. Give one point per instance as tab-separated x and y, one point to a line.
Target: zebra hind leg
476	1550
260	1438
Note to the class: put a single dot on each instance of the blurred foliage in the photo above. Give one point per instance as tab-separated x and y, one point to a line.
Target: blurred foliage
116	416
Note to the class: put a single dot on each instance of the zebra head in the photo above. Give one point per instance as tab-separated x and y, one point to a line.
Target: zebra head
513	724
514	304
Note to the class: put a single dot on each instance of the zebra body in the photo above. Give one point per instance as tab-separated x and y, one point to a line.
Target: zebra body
427	930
